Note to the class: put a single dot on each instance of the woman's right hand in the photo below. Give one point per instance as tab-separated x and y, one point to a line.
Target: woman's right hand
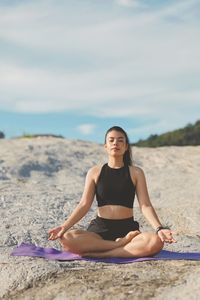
56	233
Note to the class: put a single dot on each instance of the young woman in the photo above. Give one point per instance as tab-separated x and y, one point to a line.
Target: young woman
114	232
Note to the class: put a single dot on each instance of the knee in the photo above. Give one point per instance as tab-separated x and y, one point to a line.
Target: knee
155	244
67	239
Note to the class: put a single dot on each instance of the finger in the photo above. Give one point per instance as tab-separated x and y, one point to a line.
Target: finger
50	237
168	235
170	240
174	241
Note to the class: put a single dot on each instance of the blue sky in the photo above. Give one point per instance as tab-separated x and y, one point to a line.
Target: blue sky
78	67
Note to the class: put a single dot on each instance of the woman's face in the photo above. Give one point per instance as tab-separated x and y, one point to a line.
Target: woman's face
116	143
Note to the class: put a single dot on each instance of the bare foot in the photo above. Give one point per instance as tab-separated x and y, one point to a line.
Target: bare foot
127	238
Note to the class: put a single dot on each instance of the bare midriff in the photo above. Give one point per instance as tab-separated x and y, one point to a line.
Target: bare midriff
115	212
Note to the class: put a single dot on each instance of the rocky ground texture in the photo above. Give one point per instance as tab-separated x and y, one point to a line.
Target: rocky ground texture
41	181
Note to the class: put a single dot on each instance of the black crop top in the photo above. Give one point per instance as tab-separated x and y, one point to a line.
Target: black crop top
115	187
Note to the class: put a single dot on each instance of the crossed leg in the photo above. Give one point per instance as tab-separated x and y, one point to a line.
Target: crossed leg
134	244
144	244
81	241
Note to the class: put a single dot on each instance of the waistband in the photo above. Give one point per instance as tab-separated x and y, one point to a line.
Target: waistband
109	221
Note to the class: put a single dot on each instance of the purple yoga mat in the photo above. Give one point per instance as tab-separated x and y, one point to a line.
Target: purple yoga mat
53	254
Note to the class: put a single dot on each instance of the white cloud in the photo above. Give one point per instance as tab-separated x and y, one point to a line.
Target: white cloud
86	129
134	65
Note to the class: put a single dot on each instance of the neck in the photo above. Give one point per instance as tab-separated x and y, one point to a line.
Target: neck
115	162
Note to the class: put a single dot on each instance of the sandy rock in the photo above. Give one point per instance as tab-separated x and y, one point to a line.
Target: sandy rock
41	181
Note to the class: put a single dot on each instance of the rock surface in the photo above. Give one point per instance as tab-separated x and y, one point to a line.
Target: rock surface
41	181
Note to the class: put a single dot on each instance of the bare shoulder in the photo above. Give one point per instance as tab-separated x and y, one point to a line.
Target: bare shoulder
94	172
136	173
136	170
95	169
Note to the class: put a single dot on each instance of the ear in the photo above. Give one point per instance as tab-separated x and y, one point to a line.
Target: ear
105	146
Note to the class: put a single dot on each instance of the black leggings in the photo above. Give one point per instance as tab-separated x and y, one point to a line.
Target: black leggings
110	229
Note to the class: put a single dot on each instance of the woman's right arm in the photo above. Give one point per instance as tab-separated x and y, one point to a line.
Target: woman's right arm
81	209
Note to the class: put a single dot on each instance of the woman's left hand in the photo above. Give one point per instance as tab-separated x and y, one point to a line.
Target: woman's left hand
166	236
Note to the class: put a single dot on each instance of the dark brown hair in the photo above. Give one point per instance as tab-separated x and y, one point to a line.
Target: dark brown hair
128	154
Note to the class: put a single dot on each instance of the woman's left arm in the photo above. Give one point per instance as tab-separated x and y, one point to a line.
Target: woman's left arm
147	209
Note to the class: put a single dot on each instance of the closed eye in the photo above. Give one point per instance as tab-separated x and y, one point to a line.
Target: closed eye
118	140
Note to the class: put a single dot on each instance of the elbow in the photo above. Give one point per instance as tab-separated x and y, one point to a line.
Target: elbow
145	207
85	205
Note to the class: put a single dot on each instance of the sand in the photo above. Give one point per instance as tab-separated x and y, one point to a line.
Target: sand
41	181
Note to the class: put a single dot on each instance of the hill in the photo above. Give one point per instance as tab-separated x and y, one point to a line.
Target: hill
187	136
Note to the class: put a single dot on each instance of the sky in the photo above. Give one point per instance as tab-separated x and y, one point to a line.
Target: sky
77	67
